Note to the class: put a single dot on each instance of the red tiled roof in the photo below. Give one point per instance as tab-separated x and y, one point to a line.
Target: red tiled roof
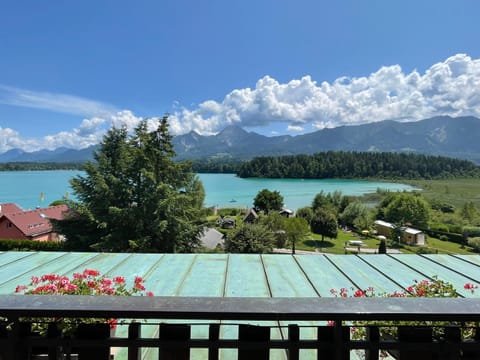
35	222
9	208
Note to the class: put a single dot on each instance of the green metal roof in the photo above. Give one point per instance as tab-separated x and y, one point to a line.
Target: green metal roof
242	275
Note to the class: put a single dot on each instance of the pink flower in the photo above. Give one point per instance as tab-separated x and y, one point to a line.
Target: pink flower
89	272
359	293
469	286
330	323
20	288
149	293
119	280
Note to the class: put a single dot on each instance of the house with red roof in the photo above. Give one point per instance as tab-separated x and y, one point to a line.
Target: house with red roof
31	224
8	208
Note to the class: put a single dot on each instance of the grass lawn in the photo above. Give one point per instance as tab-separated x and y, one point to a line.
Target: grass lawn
336	246
454	191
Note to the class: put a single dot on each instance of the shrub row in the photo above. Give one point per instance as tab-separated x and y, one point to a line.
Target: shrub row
31	245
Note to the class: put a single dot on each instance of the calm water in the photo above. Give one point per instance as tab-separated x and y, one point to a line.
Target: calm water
24	188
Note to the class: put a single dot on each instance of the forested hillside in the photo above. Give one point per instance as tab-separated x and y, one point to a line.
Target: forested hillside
358	165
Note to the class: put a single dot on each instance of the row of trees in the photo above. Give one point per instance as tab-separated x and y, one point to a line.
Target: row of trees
134	197
326	213
358	165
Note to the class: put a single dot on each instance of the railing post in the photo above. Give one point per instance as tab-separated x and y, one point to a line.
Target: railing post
134	333
373	338
293	338
15	350
325	335
453	338
251	333
175	332
54	352
213	337
341	336
411	335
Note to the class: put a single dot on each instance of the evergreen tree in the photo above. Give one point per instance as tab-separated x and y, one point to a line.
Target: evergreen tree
382	247
134	197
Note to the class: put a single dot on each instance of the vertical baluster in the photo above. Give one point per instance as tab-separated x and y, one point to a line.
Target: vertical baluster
411	335
293	338
250	333
134	333
373	337
213	337
177	332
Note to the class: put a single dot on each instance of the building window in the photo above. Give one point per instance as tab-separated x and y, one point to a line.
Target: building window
9	224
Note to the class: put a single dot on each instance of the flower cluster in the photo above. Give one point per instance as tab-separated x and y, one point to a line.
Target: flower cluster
88	282
423	288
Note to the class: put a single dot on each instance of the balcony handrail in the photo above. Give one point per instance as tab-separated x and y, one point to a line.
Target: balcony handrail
244	308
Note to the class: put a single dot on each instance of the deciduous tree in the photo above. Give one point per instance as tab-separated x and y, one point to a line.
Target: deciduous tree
267	200
324	222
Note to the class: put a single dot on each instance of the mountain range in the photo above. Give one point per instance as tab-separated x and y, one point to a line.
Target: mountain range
442	135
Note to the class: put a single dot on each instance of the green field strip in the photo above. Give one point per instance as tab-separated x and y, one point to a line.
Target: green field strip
285	278
362	274
431	269
399	273
322	274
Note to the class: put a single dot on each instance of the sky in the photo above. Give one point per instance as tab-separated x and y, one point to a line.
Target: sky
70	70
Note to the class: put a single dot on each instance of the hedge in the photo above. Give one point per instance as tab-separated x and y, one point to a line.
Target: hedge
31	245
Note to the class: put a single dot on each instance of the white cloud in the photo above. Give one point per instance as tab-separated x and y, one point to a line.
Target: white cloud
57	102
295	128
446	88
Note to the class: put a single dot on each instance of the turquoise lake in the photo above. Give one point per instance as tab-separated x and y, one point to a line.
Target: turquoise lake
24	188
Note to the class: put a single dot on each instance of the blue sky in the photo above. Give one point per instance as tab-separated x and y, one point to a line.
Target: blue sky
69	70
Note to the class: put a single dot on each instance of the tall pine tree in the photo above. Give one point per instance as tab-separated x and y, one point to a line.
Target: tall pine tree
134	197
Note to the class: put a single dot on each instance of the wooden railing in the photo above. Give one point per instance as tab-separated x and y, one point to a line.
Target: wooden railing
174	317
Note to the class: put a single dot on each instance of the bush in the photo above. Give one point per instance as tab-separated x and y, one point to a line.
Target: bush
31	245
443	237
454	228
229	211
474	243
472	231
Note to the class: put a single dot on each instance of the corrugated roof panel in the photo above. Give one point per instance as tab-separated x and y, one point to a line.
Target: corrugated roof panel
245	277
469	258
39	264
361	274
285	278
22	269
430	269
322	274
397	272
206	277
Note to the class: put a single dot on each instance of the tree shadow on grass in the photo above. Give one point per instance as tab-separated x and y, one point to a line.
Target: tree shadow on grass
318	243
